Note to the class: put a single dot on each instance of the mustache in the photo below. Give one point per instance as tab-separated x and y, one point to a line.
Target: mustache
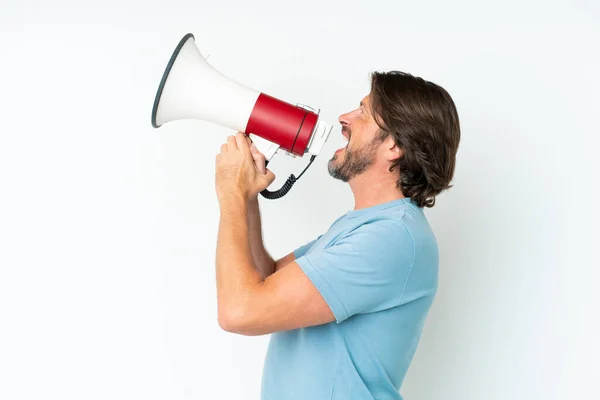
346	129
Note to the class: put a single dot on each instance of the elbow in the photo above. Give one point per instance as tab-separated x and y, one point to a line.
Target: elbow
227	319
233	321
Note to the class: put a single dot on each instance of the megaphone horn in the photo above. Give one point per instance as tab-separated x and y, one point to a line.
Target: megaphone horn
191	88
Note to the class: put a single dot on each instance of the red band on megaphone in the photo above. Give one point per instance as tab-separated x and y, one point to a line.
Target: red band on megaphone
279	122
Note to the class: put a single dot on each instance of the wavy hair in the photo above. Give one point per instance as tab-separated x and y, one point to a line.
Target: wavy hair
422	119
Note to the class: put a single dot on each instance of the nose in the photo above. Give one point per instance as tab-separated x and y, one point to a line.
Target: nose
344	119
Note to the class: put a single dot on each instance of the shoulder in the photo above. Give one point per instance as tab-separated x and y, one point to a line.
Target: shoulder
388	226
402	229
379	236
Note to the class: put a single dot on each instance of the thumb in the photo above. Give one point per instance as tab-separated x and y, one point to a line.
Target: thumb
269	176
259	159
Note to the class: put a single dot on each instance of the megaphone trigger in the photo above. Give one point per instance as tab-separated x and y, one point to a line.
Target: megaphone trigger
264	146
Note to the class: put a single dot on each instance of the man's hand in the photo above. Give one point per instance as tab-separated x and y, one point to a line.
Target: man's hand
259	160
240	170
257	156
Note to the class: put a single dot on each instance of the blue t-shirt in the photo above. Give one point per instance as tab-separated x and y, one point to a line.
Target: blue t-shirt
377	269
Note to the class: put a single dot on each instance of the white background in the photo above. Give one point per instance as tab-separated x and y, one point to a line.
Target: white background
108	226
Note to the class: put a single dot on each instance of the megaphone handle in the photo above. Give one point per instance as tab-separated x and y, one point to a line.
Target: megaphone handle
267	194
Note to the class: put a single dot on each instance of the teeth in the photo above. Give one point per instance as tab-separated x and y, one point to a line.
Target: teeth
345	138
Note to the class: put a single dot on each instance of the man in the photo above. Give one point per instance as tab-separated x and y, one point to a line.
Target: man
346	310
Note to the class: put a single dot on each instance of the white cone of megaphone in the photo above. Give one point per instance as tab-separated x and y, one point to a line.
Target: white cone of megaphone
191	88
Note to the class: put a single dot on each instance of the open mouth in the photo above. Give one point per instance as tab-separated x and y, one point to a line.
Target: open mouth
346	136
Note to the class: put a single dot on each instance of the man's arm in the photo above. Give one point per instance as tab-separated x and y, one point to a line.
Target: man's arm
263	261
246	301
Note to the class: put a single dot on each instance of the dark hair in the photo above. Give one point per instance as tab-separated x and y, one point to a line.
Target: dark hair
423	121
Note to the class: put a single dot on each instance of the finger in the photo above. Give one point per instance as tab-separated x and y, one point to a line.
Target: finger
231	142
242	142
249	140
259	160
224	148
269	176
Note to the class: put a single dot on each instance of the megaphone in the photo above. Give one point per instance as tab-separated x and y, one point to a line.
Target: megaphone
191	88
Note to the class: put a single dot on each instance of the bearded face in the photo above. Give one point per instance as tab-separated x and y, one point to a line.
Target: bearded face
350	161
363	139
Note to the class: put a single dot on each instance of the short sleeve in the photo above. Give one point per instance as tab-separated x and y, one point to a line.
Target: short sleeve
300	251
364	270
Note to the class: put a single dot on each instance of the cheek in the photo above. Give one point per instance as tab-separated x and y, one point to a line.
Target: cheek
357	136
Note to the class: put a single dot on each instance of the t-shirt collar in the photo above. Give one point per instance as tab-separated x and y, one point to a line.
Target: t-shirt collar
377	207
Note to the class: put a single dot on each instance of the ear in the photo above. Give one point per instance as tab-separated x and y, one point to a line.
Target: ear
392	151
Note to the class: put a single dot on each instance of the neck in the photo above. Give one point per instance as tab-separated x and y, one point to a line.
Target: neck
374	187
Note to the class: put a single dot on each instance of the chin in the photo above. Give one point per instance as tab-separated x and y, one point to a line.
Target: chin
335	158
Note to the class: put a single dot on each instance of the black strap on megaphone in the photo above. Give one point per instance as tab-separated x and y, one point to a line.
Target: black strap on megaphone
286	186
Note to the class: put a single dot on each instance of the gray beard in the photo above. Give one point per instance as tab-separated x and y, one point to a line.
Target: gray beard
355	162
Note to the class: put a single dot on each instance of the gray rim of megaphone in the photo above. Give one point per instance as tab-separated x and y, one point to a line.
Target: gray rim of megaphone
165	76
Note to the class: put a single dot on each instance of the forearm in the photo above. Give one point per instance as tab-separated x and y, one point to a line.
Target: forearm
235	270
263	261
